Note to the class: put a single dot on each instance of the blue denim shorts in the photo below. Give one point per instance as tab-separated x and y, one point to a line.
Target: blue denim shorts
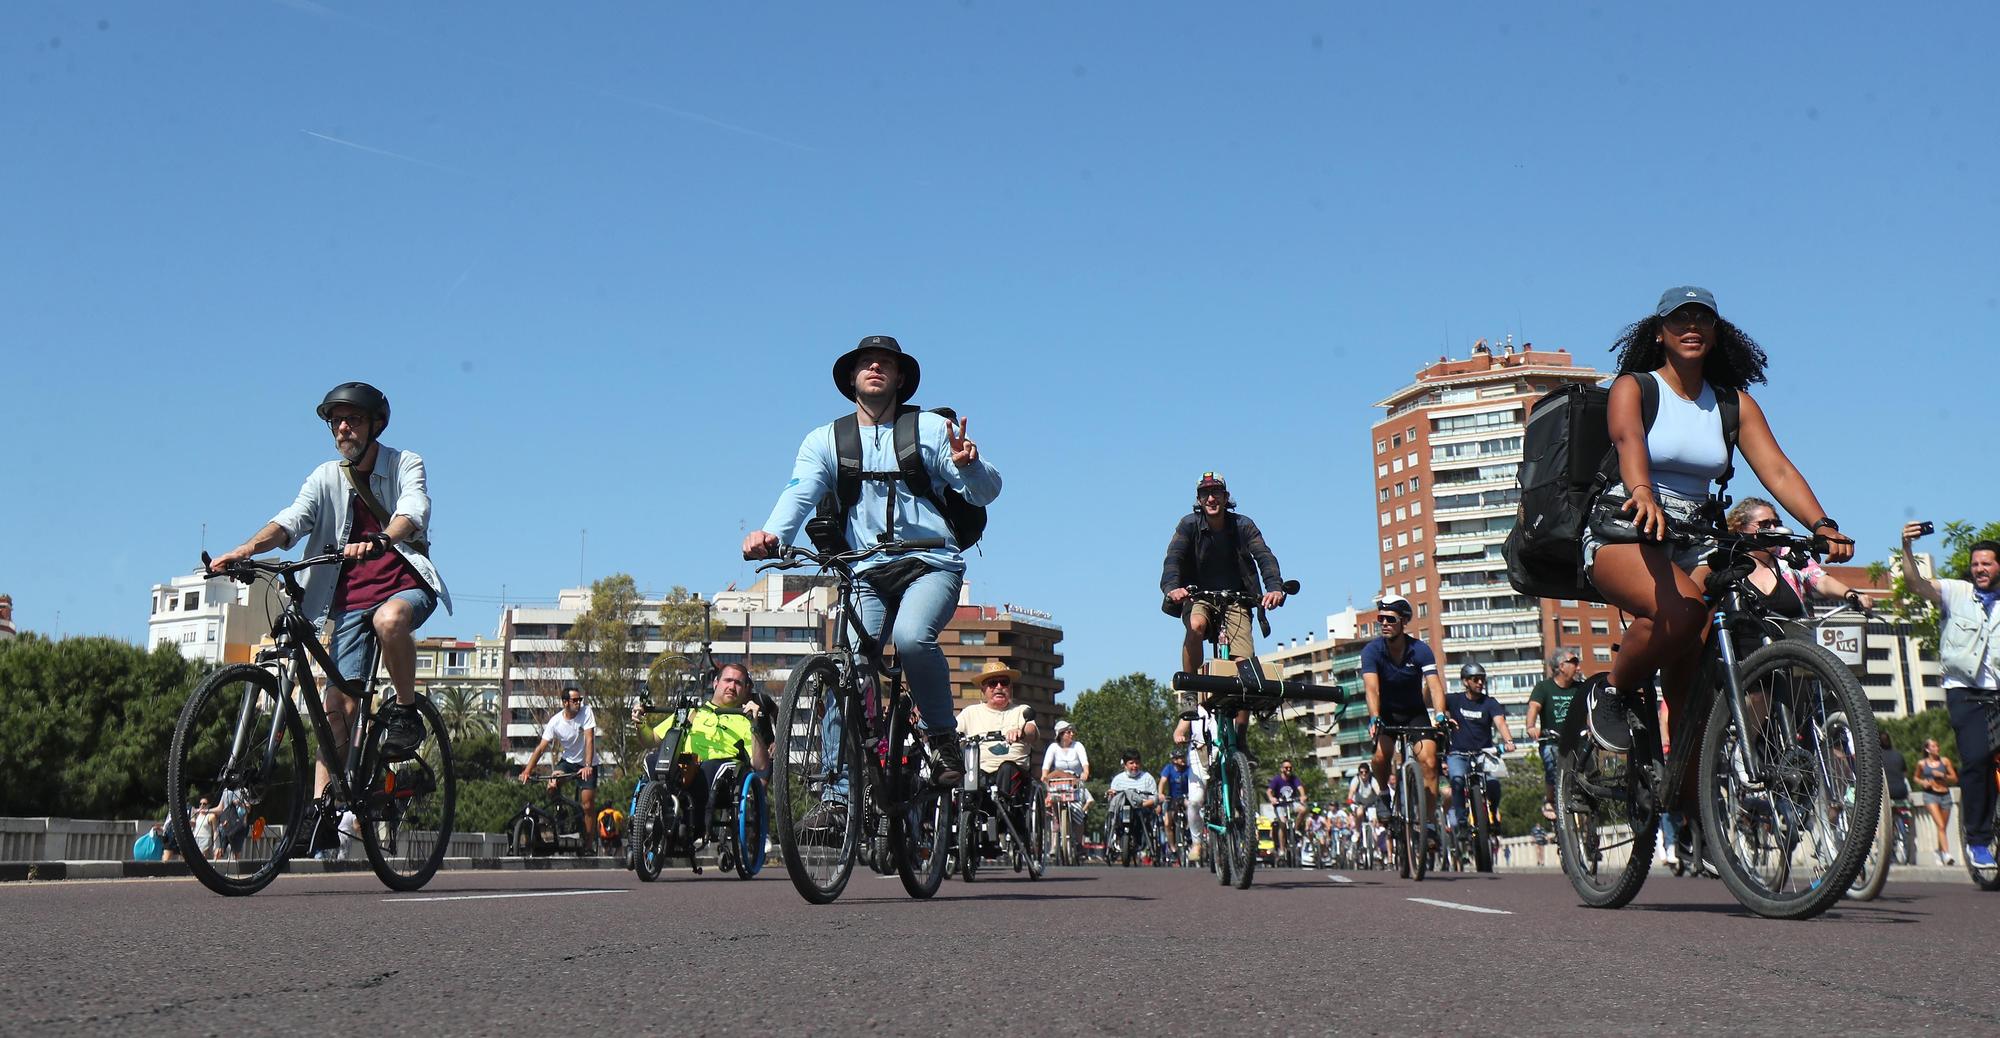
1686	556
354	635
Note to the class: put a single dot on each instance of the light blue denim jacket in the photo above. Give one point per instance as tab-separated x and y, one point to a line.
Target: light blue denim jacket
323	517
818	466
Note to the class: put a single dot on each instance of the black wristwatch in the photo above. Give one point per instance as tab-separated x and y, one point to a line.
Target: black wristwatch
1825	522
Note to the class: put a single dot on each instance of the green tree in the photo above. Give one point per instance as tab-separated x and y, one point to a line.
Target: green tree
1908	734
464	713
88	722
606	651
683	628
1280	740
1906	604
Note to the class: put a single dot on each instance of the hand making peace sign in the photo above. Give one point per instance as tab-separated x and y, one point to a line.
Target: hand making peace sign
963	451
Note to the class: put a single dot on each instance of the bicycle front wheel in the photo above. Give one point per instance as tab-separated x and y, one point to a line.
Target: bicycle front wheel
753	825
968	836
650	827
237	737
1242	836
815	777
407	809
1482	826
1416	818
921	838
1791	805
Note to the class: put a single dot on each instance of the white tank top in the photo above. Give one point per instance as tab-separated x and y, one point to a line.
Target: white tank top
1685	443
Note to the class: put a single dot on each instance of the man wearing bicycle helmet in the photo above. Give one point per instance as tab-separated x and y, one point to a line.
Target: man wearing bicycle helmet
1400	677
371	506
1216	548
1478	716
880	378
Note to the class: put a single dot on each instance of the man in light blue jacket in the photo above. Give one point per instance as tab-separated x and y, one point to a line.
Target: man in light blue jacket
371	507
880	378
1969	657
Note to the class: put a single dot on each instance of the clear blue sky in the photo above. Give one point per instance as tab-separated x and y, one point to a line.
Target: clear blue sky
602	255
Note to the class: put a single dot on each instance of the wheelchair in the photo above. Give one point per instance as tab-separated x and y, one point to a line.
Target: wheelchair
663	822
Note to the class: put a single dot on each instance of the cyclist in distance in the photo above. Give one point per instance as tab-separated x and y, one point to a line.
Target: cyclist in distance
880	378
1697	360
370	506
1014	722
572	732
731	718
1287	795
1548	705
1067	757
1399	675
1479	717
1174	792
1217	549
1141	791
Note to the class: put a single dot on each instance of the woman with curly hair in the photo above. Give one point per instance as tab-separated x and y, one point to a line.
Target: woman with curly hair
1696	360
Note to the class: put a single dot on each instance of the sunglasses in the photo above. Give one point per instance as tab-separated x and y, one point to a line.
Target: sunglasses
1000	683
572	699
1766	524
1388	618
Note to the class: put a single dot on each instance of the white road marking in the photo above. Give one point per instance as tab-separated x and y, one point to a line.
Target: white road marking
495	897
1338	878
1456	905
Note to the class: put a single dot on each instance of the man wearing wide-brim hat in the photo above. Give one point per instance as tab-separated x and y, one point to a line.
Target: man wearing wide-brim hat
997	714
880	377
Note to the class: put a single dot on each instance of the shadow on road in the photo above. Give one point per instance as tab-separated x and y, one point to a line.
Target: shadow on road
430	891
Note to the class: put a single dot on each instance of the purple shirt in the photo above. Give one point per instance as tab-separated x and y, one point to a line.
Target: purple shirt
1286	789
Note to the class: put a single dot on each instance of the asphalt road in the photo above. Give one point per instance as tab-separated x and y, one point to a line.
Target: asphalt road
1085	951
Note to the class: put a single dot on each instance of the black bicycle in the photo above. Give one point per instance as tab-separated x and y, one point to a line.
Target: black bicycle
847	747
240	733
539	831
1414	808
1789	771
1230	806
1477	795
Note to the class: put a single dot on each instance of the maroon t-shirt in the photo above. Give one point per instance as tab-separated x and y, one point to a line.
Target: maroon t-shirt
370	582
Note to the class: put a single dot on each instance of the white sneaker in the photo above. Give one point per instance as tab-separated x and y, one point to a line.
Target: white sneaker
1669	855
1949	860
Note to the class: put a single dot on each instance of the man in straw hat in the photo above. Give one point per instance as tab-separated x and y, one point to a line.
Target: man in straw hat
998	714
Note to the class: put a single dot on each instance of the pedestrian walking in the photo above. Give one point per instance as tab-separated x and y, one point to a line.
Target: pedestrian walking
1936	774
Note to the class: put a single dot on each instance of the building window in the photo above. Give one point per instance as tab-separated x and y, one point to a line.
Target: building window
1383	495
1601	654
1416	533
1423	585
1569	603
1396	441
971	662
1572	627
1381	447
1402	514
1399	490
1423	610
1386	542
191	600
1385	518
1416	508
1415	482
1381	470
426	661
1402	563
1410	434
1402	540
1397	466
1600	627
972	637
1411	460
1404	588
1388	568
1418	561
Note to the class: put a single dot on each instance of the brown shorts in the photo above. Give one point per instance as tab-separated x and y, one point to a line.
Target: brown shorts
1236	617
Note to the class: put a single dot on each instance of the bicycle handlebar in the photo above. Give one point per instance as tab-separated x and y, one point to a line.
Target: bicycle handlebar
1243	598
247	570
1213	685
792	556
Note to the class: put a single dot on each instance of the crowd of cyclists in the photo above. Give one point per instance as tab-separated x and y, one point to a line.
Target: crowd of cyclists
890	473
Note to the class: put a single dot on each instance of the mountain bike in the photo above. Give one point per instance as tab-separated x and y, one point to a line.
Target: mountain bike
541	831
240	731
1788	770
846	747
1477	796
1229	809
1413	810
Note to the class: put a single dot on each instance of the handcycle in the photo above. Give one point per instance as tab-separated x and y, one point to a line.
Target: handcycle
240	730
1788	770
984	828
1477	796
663	818
1229	808
846	749
1130	831
1413	812
541	831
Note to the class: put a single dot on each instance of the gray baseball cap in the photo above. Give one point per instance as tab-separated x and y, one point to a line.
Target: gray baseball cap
1681	295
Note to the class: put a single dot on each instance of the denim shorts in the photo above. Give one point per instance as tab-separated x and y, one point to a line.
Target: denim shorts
1685	555
354	635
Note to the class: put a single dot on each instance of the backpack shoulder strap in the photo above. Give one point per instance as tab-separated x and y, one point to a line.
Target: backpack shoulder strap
847	451
910	456
1731	405
1649	399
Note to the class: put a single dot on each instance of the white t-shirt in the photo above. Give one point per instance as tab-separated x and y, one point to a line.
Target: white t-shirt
1072	758
980	719
567	735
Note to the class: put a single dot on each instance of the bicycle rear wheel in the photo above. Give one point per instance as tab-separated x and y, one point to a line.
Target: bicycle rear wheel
968	836
650	827
408	807
1242	836
1791	834
1605	847
1868	883
236	735
1037	833
1482	826
817	749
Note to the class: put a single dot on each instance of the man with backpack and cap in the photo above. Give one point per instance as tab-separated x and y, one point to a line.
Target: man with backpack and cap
1479	717
892	472
1216	548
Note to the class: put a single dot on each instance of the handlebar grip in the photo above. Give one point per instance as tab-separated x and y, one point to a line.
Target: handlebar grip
922	543
1209	684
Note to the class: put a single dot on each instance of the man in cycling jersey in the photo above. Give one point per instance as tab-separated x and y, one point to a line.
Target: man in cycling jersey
999	715
1217	549
372	508
1174	796
1287	796
732	719
879	378
1139	791
1478	717
1400	676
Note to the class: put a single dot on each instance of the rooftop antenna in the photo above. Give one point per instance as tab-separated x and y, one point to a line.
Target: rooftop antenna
582	537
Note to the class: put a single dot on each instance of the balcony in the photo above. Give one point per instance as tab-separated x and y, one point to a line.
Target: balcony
1497	511
1468	563
1493	615
1471	461
1511	641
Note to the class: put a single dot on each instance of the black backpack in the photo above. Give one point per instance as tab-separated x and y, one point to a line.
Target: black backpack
829	529
1567	457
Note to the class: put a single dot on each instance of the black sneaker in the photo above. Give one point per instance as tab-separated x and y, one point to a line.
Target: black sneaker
403	731
947	757
1605	712
826	825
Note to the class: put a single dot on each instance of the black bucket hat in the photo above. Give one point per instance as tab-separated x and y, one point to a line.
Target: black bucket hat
843	369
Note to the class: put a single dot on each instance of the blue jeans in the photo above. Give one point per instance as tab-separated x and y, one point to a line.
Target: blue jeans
1457	767
927	605
1975	776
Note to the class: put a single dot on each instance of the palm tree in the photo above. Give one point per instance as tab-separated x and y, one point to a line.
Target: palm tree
464	713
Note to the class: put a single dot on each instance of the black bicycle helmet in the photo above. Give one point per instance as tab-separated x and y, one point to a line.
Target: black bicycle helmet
1471	670
357	394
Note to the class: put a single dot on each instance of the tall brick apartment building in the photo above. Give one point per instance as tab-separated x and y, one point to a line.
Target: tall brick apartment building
1445	454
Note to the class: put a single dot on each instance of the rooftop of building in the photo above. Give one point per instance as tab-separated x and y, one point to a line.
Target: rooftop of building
1484	365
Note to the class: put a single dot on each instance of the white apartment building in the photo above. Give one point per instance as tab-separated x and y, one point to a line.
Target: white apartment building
214	620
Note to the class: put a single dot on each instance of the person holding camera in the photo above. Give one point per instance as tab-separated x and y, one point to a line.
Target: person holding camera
1969	656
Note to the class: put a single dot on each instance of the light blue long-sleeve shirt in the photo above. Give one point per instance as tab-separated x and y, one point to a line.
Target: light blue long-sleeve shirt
818	468
323	515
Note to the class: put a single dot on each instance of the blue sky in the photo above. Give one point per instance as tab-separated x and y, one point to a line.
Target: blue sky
601	262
